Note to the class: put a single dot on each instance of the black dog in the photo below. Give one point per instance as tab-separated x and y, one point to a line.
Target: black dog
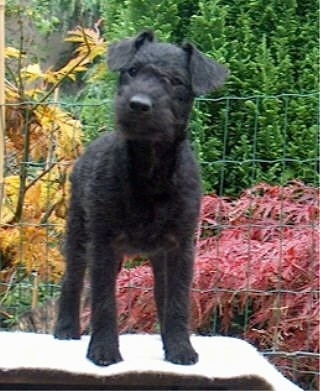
137	190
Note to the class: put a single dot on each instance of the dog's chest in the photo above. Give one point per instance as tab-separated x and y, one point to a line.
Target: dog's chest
149	222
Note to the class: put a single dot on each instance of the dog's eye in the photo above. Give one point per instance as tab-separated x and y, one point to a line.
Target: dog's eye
175	81
132	71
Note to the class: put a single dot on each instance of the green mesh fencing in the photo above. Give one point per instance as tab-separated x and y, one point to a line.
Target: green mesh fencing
257	264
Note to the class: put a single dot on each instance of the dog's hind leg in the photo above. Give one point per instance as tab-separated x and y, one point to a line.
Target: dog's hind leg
68	321
158	262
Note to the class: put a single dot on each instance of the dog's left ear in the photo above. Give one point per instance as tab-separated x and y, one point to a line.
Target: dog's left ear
120	53
206	74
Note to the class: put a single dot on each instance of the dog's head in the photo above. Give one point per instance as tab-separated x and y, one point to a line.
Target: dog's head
158	83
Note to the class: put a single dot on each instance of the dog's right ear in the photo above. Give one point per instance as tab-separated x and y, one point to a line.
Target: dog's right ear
121	53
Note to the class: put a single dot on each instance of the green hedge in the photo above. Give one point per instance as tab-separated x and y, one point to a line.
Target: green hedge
265	128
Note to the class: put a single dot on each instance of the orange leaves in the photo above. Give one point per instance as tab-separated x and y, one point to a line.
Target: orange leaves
51	129
34	241
52	132
42	141
10	200
27	245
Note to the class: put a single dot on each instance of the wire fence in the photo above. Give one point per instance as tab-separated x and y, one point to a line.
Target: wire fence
257	266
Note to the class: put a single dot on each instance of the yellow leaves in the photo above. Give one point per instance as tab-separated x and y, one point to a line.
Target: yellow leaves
90	46
9	242
51	130
41	196
90	43
61	131
42	141
70	71
32	73
69	139
11	52
31	246
47	115
12	184
34	241
10	199
36	252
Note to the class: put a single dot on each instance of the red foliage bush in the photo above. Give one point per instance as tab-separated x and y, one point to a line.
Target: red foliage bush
256	272
256	276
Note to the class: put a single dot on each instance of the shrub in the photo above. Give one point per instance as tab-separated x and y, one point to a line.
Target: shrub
256	274
42	141
270	133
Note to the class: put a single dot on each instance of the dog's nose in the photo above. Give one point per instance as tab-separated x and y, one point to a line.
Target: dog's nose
140	103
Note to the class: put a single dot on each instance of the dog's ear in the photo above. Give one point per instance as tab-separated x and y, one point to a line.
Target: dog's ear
121	53
206	74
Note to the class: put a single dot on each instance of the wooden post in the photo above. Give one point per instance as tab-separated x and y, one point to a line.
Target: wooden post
2	100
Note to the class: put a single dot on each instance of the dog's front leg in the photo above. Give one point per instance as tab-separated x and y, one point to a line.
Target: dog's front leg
104	344
68	321
178	266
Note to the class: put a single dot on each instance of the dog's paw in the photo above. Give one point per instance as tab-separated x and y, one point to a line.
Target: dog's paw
182	355
102	355
66	331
